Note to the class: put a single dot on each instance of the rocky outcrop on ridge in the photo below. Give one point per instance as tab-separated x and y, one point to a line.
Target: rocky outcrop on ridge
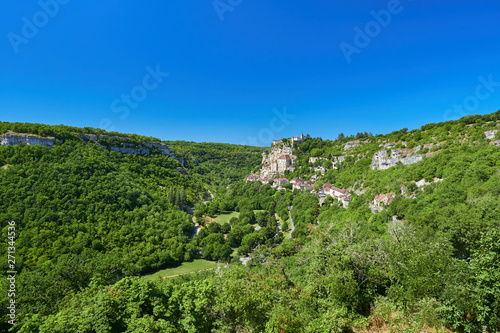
11	139
117	144
381	159
490	135
126	147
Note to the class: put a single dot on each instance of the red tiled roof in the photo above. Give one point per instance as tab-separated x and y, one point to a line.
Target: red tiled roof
339	190
284	157
380	197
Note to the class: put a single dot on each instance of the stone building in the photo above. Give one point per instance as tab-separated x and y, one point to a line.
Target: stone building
279	159
284	161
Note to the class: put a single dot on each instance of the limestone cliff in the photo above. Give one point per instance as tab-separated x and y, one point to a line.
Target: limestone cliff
117	144
381	159
122	145
352	144
10	139
490	135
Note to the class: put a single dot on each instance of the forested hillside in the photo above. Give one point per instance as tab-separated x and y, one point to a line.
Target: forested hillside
218	163
89	220
84	213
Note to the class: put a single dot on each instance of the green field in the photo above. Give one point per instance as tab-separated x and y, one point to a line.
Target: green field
184	268
227	216
223	218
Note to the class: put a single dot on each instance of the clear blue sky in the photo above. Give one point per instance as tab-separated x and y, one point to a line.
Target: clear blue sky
227	76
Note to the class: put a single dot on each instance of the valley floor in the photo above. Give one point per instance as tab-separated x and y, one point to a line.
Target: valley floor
185	268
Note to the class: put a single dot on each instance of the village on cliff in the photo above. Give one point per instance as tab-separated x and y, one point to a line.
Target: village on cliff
280	161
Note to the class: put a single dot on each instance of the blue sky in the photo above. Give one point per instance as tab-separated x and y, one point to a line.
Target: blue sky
234	65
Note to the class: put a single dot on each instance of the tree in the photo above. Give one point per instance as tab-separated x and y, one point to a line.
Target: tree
226	228
318	185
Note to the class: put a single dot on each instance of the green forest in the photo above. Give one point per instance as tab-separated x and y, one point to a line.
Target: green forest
91	223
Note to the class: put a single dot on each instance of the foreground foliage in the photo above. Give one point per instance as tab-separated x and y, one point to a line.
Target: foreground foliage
90	221
331	285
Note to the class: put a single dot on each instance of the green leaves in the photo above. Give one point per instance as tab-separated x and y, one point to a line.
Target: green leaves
417	266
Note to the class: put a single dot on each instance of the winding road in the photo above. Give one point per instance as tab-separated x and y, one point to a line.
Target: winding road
196	229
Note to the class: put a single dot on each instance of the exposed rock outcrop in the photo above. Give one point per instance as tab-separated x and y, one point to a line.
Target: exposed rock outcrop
338	159
123	145
381	159
144	148
352	144
11	139
490	135
388	145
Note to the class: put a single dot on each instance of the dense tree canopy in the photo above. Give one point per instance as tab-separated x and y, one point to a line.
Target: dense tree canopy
90	221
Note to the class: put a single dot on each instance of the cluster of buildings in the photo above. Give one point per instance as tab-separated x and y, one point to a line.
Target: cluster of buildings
342	195
300	184
279	159
382	199
291	140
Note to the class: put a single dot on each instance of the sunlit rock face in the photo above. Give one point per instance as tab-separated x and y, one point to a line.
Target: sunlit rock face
352	144
144	148
490	135
11	139
381	159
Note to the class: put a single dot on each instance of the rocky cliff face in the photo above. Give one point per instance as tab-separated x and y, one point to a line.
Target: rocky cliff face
11	139
352	144
495	143
490	135
381	159
144	148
